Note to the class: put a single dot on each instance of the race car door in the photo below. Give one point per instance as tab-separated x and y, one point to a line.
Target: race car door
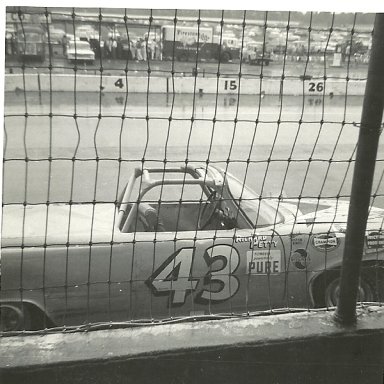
178	269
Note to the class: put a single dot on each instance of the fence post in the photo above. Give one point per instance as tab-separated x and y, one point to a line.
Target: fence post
371	118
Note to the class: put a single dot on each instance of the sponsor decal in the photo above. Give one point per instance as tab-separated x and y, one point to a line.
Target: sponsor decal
300	258
190	36
375	239
325	241
297	240
256	241
264	262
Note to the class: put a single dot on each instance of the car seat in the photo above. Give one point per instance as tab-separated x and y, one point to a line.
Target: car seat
149	218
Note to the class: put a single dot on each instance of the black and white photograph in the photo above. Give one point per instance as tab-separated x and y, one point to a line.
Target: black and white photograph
192	194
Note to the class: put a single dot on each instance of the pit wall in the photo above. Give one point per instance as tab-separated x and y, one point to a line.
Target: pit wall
202	85
297	348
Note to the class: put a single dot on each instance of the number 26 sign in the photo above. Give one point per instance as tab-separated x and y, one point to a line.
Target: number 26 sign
316	87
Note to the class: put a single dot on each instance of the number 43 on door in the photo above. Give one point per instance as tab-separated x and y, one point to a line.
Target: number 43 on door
175	278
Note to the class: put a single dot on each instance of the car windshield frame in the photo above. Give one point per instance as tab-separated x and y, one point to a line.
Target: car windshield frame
250	203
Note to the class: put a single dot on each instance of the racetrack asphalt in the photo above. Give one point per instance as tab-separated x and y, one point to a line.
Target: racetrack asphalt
320	149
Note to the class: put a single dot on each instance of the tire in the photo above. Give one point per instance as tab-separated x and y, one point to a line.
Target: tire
366	292
13	318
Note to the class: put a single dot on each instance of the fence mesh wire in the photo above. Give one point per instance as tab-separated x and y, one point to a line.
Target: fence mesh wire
169	165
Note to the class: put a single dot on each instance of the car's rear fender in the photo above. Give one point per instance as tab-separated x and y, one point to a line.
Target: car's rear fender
34	314
317	280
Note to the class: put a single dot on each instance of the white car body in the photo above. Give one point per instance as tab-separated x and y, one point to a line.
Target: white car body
80	51
211	246
86	32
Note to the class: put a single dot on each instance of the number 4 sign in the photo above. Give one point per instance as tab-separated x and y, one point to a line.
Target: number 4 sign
119	83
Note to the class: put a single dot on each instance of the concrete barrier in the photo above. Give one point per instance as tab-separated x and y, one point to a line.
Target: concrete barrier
290	348
84	83
290	87
188	85
15	82
134	84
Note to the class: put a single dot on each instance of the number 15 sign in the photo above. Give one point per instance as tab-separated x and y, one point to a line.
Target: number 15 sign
230	85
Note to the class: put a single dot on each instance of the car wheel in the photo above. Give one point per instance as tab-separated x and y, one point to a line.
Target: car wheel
13	318
366	292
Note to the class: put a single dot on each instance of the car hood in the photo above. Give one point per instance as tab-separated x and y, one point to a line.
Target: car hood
80	50
324	215
36	225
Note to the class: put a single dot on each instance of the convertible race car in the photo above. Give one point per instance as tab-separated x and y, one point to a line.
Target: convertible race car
179	242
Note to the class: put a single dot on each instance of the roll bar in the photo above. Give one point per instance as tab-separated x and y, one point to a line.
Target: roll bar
148	183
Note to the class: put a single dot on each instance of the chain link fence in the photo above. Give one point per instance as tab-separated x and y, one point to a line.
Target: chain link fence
171	165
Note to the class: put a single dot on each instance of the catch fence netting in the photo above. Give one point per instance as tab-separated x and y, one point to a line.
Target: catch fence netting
174	165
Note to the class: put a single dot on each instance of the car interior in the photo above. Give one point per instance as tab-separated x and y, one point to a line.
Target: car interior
175	203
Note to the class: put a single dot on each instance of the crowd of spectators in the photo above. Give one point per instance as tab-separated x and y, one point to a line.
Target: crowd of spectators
140	49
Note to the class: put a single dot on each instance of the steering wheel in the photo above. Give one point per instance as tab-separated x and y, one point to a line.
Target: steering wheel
206	214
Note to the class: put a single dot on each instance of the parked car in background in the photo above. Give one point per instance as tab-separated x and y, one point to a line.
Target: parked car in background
86	32
255	53
31	42
80	51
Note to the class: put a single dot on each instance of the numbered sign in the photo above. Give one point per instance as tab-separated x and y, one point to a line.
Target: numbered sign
315	87
119	83
230	85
